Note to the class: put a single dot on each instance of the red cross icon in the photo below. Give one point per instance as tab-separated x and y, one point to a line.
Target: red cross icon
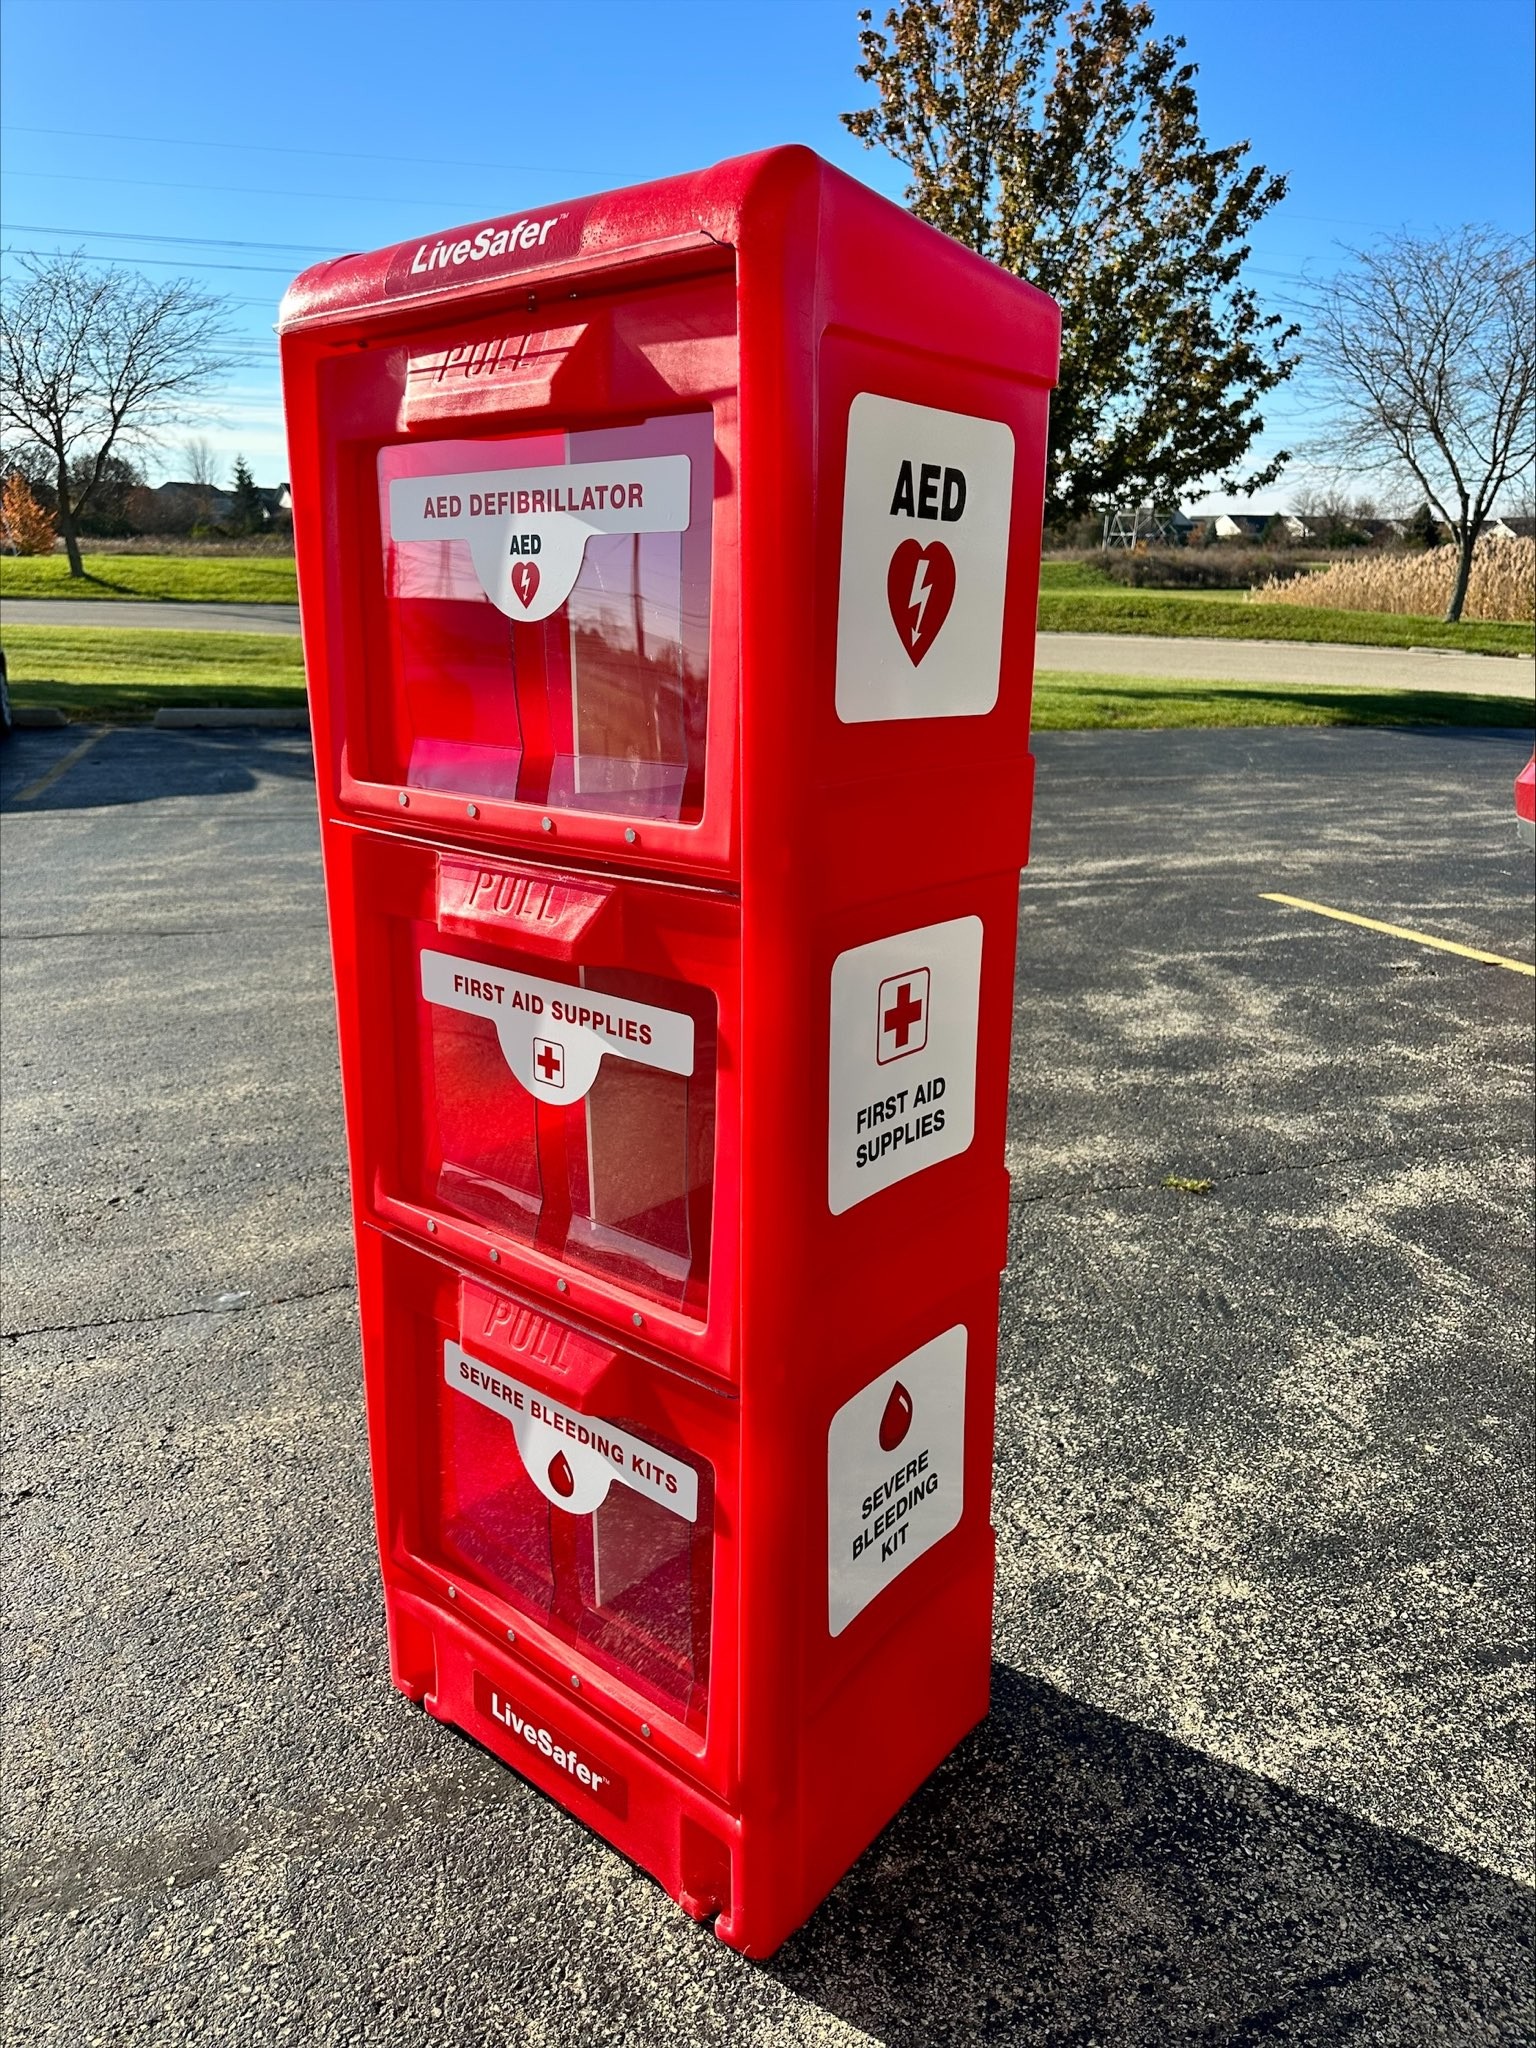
902	1016
549	1059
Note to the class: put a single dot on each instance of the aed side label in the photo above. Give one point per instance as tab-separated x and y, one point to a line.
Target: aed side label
895	1473
901	1090
927	501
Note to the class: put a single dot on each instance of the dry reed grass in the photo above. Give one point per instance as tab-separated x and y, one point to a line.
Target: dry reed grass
1503	584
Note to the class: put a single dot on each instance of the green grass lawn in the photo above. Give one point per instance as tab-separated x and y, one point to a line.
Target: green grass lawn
1066	702
197	579
92	671
1228	615
96	673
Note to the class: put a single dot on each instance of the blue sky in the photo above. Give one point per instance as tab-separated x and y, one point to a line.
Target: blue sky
236	144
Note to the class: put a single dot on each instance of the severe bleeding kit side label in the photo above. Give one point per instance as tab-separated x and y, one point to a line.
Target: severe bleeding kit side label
895	1473
902	1083
554	1036
927	502
572	1458
528	529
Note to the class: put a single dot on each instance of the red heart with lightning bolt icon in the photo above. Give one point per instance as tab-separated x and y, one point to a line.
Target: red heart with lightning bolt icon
525	581
920	588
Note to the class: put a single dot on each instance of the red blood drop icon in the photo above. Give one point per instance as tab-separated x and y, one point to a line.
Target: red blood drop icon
525	581
897	1419
561	1477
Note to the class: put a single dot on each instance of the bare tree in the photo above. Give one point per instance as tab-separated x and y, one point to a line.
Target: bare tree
1426	349
93	362
202	467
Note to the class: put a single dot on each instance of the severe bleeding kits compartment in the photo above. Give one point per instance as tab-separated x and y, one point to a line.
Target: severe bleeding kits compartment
667	563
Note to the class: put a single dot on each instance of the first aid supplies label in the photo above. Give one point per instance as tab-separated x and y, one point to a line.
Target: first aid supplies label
927	500
555	1037
895	1473
902	1084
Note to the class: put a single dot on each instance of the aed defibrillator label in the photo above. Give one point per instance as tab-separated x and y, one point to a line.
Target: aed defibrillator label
902	1085
553	1036
572	1458
895	1473
927	501
532	1737
527	529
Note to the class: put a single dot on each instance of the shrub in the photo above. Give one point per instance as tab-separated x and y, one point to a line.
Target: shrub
24	525
1503	584
1199	568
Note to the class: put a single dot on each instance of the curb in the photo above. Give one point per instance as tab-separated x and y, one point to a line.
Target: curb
170	718
36	717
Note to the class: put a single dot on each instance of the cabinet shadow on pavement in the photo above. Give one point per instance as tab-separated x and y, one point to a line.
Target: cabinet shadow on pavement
1067	1876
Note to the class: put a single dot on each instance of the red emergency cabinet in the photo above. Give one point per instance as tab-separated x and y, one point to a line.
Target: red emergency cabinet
668	564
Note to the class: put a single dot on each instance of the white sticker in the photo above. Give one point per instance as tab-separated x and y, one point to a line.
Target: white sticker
528	528
895	1473
554	1036
902	1084
927	500
573	1459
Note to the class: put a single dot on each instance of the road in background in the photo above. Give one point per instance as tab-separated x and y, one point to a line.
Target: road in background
1310	664
1257	1765
1121	654
148	614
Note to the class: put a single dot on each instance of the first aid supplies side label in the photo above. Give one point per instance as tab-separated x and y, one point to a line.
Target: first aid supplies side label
902	1082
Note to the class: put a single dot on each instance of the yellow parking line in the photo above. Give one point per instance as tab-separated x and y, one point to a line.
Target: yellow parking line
34	790
1397	931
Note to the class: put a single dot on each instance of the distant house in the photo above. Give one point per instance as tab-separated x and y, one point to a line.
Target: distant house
182	500
1250	527
1511	526
176	506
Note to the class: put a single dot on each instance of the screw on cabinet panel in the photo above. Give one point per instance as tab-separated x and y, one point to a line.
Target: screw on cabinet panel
431	1226
576	1681
404	799
638	1320
645	1730
631	834
472	810
495	1257
563	1286
511	1635
547	824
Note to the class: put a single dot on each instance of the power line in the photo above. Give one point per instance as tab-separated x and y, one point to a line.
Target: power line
239	191
356	156
32	227
167	263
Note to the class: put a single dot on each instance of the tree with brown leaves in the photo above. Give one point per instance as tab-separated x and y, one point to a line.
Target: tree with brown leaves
1066	146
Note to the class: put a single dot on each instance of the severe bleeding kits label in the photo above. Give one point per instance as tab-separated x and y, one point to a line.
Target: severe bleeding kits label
572	1458
902	1084
895	1473
553	1036
528	529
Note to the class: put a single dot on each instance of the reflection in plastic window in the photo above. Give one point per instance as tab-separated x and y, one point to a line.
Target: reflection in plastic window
620	1182
601	704
631	1582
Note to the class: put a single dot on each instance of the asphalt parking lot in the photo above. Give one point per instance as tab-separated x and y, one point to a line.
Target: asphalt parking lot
1258	1764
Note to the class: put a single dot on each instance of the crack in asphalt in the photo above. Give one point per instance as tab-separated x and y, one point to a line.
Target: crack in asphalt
173	1315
